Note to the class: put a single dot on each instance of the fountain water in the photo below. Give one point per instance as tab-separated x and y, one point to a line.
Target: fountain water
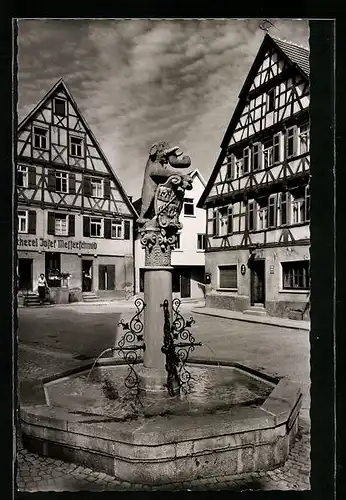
164	419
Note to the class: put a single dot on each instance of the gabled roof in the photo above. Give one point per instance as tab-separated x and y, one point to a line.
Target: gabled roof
61	85
295	55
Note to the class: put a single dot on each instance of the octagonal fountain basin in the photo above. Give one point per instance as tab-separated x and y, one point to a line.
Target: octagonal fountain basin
230	422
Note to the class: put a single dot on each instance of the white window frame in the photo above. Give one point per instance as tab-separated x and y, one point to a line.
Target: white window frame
45	136
24	218
239	167
294	138
247	156
76	154
23	169
268	156
61	176
61	229
97	183
297	209
201	242
258	153
278	135
94	223
305	133
189	202
262	218
117	226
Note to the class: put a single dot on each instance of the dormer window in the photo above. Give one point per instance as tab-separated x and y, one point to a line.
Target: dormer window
271	100
60	107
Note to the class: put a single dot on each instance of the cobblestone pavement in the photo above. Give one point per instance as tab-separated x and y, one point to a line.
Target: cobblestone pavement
271	349
37	473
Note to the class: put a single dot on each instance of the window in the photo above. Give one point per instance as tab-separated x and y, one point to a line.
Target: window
95	226
272	208
188	206
117	229
228	276
304	139
177	242
230	220
22	221
61	182
40	138
216	220
270	100
291	140
300	205
230	167
200	241
61	225
257	156
296	275
268	154
97	188
76	146
284	204
246	160
276	148
252	215
60	107
22	177
262	218
239	168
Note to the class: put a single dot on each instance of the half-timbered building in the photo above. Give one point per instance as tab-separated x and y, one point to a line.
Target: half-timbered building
258	196
75	219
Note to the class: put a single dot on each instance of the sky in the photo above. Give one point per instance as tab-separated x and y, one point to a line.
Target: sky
140	81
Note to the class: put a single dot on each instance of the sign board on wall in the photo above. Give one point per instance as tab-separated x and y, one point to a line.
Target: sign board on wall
52	244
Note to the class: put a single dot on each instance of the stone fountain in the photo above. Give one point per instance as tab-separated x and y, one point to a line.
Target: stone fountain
157	417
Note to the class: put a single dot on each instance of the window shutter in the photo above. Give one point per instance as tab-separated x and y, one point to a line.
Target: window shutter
86	226
230	220
87	186
32	222
107	189
51	180
102	269
72	183
110	277
107	224
31	177
71	225
228	277
51	223
260	155
126	230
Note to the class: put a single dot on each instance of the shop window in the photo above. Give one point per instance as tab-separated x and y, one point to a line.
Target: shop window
60	107
296	275
76	144
40	138
61	182
200	241
97	188
106	277
117	229
96	227
189	208
228	277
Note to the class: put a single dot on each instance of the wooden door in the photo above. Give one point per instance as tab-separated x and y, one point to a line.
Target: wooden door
25	274
185	287
87	275
257	282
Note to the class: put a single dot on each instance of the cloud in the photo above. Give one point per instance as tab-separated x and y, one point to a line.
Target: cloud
138	81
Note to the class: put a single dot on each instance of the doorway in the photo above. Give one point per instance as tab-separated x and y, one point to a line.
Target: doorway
185	290
258	282
52	269
87	278
25	274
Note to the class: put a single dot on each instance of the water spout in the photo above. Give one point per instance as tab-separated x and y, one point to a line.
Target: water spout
96	360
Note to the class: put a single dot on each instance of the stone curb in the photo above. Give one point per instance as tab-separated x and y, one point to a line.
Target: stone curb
271	320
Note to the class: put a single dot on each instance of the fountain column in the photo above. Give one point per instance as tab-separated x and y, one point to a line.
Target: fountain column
157	288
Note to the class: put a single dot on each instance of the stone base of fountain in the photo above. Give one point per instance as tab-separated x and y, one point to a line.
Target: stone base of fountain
231	422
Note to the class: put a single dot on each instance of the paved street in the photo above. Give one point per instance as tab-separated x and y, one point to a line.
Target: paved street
54	339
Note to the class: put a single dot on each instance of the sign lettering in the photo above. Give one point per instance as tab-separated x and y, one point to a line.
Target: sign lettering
48	243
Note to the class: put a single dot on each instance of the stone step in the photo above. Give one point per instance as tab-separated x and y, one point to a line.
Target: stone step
256	311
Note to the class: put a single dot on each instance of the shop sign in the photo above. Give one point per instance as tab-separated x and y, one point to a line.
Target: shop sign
271	269
243	269
55	244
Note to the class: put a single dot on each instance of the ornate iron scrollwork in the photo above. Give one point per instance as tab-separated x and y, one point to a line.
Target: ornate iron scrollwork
177	353
127	348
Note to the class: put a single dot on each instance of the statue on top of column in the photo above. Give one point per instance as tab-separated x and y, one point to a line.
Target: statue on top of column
164	185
